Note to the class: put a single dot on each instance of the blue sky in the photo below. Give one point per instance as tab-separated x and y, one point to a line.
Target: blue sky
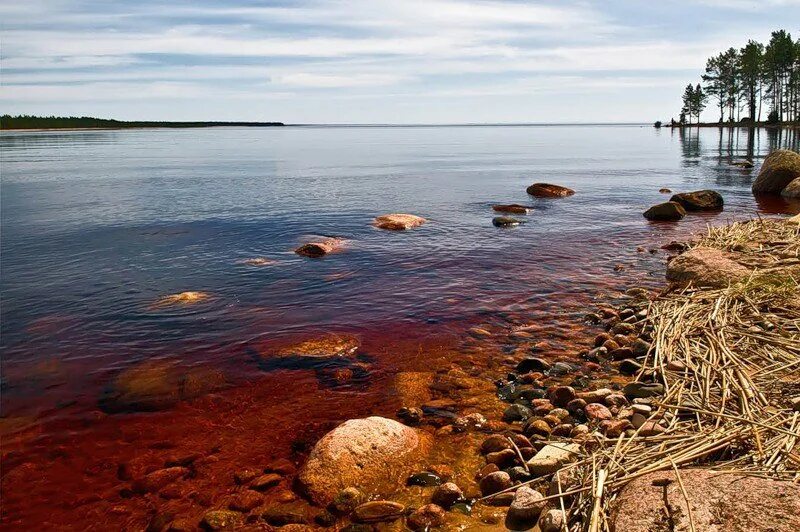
369	61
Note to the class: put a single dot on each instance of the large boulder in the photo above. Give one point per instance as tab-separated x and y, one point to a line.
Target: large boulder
375	454
398	222
705	267
669	211
701	200
792	190
546	190
780	168
719	503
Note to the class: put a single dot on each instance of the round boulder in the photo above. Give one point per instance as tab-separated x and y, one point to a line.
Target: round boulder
398	222
669	211
780	168
546	190
376	454
705	267
701	200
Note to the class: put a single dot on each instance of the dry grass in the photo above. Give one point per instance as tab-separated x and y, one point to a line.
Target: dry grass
729	360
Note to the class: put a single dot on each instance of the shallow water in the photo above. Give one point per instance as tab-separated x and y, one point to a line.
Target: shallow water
97	226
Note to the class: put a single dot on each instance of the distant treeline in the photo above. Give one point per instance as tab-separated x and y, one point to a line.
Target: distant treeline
82	122
751	79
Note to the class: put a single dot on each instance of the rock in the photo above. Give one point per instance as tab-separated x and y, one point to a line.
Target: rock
221	519
795	404
705	267
148	386
651	428
743	164
537	427
425	479
503	459
505	221
410	415
373	453
258	261
516	412
183	298
612	428
426	517
245	501
668	211
643	389
562	395
153	482
200	381
597	412
525	509
792	190
719	503
495	443
701	200
265	482
780	168
281	516
551	457
665	191
629	367
576	405
447	495
621	353
378	511
398	222
325	346
346	501
526	365
596	396
245	476
640	348
321	248
494	482
551	521
511	209
545	190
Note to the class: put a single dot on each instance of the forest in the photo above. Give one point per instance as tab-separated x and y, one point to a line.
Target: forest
748	84
86	122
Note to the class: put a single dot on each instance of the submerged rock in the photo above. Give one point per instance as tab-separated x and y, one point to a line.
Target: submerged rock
398	222
668	211
376	454
147	386
427	517
258	261
183	298
322	347
665	191
546	190
378	511
321	248
705	267
780	168
505	221
701	200
513	208
221	519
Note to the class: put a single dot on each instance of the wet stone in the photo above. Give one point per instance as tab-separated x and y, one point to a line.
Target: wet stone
537	427
516	412
156	480
425	479
265	482
426	517
447	495
562	395
280	517
532	364
245	501
503	459
597	412
643	389
494	443
494	482
347	500
378	511
221	519
525	509
629	367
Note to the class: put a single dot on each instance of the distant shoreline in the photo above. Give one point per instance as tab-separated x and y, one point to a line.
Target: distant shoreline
47	123
746	125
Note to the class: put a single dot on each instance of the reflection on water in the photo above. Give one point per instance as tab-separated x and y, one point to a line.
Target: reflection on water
98	226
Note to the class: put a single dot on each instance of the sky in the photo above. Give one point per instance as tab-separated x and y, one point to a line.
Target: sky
369	61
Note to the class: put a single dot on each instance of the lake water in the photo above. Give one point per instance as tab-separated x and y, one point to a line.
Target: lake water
99	225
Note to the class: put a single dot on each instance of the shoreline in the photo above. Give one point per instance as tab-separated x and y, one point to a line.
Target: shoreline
734	125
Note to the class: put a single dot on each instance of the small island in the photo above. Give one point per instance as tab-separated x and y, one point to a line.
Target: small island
8	122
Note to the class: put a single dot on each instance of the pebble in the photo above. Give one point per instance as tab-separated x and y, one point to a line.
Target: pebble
347	500
643	389
651	428
616	400
527	365
551	521
156	480
221	519
446	495
525	509
426	517
597	412
562	395
640	347
245	476
265	482
281	517
494	443
537	427
576	405
245	501
503	459
796	404
629	367
645	410
378	511
516	412
494	482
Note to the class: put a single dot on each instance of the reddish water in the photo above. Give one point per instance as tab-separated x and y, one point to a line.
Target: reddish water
411	298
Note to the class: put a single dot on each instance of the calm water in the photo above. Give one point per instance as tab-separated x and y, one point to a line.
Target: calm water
98	225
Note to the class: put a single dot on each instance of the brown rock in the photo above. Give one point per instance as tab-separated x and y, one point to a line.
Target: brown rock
375	454
511	209
701	200
597	412
495	443
494	482
719	503
792	190
705	267
668	211
321	248
156	480
551	521
562	395
398	222
320	347
245	501
665	191
378	511
525	509
545	190
780	168
427	517
147	386
265	482
446	495
221	519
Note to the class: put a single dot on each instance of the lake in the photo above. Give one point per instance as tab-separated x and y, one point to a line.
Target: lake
97	226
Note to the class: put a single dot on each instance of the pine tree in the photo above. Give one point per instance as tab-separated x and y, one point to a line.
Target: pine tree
751	59
688	102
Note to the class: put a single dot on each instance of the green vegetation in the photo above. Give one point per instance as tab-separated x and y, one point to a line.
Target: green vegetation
84	122
747	79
